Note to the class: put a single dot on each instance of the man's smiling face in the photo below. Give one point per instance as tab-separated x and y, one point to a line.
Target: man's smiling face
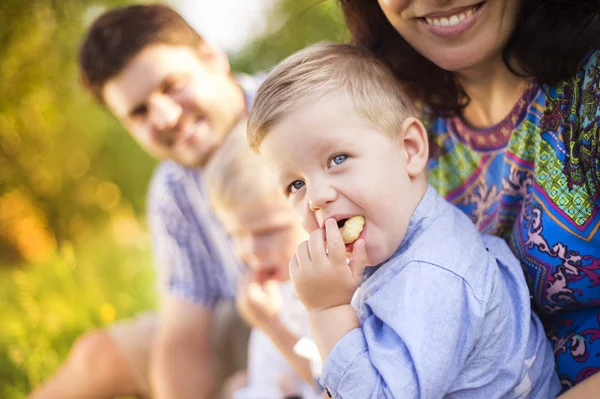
176	102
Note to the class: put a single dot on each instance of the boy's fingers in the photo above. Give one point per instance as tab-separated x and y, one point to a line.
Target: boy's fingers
255	292
335	244
294	266
242	287
359	259
316	247
303	255
273	293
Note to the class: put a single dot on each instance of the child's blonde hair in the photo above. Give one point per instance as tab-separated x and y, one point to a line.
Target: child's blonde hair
324	69
236	177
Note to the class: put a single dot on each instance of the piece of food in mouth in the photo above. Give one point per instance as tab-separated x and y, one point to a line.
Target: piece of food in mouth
351	228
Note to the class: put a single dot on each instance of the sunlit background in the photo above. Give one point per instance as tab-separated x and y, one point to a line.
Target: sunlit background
74	250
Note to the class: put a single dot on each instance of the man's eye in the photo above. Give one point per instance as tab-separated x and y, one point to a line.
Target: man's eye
295	186
139	112
337	160
171	87
174	86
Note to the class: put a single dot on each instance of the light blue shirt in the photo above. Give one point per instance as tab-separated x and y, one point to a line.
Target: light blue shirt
448	315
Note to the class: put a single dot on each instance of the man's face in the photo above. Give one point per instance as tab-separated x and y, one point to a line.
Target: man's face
265	234
178	103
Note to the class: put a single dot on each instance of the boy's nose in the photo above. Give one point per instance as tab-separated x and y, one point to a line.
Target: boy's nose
164	112
319	196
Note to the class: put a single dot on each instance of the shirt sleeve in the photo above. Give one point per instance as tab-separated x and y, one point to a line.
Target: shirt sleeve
185	266
421	327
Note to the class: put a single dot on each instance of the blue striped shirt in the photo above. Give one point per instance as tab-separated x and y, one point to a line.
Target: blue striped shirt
194	256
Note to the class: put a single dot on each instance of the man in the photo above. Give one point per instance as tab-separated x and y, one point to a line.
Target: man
175	95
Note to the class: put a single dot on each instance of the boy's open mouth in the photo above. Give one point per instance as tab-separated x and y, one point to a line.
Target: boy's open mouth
266	274
350	228
341	223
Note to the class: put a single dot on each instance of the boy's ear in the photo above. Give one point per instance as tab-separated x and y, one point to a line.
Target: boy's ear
214	59
415	144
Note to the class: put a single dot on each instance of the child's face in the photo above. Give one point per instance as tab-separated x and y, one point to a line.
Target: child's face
332	163
265	235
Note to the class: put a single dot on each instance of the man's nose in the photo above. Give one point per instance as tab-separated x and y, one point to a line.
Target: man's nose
164	112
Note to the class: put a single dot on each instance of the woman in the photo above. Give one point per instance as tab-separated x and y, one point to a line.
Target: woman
512	91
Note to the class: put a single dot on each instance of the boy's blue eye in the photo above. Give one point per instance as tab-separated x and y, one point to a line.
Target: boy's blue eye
337	160
296	185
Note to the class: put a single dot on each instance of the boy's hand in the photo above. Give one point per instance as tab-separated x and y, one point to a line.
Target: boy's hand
234	383
258	305
321	276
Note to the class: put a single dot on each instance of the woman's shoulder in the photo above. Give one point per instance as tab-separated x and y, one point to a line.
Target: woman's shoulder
572	111
578	90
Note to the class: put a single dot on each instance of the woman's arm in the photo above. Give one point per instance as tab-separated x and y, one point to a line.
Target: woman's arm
587	389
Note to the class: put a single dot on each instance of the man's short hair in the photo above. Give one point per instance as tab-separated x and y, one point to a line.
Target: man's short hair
329	69
237	177
120	34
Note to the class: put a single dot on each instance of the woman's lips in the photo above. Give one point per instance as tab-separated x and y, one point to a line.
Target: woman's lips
451	26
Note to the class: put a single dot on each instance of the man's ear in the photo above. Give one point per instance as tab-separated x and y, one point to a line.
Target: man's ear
413	136
215	59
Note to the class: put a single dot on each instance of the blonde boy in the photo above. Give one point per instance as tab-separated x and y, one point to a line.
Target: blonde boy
265	233
441	310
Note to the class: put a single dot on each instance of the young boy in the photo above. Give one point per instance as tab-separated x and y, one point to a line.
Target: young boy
441	310
265	233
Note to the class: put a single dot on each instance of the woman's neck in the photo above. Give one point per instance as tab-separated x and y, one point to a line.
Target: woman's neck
493	90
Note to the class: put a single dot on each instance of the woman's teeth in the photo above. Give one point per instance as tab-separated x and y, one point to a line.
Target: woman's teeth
452	20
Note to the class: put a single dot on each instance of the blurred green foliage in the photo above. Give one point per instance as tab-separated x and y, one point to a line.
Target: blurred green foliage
73	183
65	164
47	305
293	25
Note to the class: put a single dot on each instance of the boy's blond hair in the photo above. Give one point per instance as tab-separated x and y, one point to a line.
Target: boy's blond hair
329	69
237	177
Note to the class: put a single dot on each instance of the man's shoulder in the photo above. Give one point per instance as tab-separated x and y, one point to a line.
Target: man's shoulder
250	85
173	182
171	172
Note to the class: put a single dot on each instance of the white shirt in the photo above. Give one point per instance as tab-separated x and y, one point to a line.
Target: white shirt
266	364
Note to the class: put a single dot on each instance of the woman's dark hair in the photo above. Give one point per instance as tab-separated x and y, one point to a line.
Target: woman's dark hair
549	43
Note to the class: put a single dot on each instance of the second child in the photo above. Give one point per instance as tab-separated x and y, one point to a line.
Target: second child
265	233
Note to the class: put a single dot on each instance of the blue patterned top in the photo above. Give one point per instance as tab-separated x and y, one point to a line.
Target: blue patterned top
533	179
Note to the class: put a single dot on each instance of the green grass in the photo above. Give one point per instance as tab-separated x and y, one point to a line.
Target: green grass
44	307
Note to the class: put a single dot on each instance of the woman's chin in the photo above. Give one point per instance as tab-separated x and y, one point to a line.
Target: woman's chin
467	56
457	63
